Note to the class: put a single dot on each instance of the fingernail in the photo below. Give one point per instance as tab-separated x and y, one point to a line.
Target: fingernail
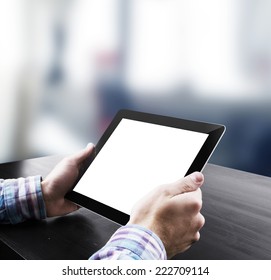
197	177
90	145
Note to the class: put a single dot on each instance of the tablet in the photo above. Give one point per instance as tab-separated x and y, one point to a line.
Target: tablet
138	152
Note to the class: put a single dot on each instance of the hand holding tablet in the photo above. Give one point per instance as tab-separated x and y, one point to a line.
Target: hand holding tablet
172	212
139	152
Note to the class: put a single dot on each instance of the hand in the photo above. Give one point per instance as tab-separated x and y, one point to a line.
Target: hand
172	211
61	180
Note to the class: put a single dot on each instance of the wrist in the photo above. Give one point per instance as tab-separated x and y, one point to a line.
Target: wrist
54	199
151	232
24	199
46	186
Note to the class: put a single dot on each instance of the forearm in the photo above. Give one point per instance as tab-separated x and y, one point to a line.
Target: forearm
21	199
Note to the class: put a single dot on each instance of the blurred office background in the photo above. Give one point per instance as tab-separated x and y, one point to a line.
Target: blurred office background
67	66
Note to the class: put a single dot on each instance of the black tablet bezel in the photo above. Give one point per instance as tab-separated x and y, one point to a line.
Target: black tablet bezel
214	131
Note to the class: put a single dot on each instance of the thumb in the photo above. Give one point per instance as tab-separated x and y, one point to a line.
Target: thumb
189	183
80	156
60	208
69	207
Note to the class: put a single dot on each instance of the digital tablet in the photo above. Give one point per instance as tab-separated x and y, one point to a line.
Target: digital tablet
138	152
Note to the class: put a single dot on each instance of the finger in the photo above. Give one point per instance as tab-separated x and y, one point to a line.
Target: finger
196	237
199	223
189	197
68	207
190	203
80	156
187	184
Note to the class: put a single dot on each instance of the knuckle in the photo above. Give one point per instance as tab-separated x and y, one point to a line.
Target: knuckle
196	205
69	160
186	186
195	238
66	159
201	221
164	190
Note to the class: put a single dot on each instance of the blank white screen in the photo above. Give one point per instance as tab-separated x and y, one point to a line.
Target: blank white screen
137	157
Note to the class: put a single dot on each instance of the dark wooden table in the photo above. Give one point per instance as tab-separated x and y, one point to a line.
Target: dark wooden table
237	209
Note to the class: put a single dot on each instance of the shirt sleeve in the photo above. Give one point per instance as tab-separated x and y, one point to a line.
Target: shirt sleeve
132	242
21	199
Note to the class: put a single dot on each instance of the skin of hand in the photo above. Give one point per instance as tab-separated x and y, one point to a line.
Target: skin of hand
172	211
60	181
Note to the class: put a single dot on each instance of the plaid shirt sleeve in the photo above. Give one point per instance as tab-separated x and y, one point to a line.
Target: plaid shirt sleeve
132	242
21	199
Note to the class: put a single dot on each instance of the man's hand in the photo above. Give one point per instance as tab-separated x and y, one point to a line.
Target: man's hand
60	181
172	211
